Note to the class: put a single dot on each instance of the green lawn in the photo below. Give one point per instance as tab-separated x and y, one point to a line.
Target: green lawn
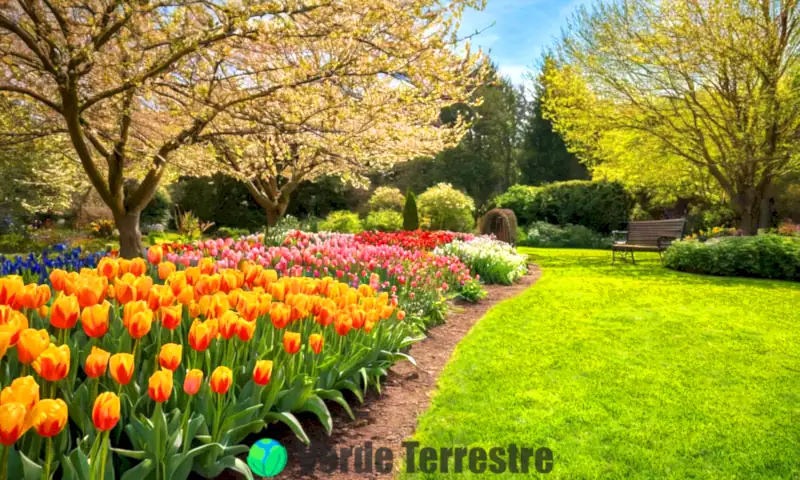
630	372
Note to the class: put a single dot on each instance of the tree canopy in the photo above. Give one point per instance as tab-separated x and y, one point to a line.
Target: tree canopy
696	96
139	87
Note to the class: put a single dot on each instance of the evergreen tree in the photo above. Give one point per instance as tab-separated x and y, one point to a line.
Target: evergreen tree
410	214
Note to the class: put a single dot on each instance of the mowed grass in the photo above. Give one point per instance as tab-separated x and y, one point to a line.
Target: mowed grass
630	371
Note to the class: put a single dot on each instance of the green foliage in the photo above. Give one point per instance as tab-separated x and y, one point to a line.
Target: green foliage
384	221
341	221
17	242
764	256
219	199
544	157
232	232
386	198
472	291
600	206
543	234
410	213
159	210
593	348
102	229
442	207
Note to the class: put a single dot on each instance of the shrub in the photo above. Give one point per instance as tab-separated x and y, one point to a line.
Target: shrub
600	206
158	211
492	260
502	223
102	229
384	221
341	221
219	199
230	232
410	214
386	198
445	208
543	234
765	256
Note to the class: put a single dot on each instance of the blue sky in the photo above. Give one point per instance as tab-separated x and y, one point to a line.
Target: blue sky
522	30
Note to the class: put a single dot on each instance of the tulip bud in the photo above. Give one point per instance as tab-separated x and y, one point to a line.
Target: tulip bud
170	356
121	367
155	254
106	411
221	380
291	342
193	381
263	372
159	387
95	320
316	341
64	311
96	363
31	344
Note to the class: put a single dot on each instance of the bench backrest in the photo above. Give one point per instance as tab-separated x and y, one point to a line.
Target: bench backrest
648	232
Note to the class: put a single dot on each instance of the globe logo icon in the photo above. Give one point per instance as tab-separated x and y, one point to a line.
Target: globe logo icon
267	458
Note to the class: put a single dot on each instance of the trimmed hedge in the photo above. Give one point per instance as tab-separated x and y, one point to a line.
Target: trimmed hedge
763	256
410	213
384	221
599	206
500	222
341	221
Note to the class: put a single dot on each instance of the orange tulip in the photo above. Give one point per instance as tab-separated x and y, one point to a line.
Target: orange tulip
96	362
221	380
138	267
159	296
143	286
170	356
91	291
13	323
227	324
207	285
12	422
58	279
49	417
159	387
245	329
186	295
358	317
201	334
279	315
248	308
263	372
291	342
124	266
193	381
11	290
155	254
171	316
35	296
315	341
5	342
342	323
22	390
95	320
124	291
121	367
140	324
131	309
108	267
106	411
401	315
65	311
53	363
31	344
165	269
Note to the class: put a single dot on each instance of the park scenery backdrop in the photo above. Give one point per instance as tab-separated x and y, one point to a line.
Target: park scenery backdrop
229	222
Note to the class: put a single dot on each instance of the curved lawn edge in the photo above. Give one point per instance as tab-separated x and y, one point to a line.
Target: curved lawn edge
629	371
389	418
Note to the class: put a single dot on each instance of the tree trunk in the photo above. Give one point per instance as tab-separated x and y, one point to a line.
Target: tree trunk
130	238
275	212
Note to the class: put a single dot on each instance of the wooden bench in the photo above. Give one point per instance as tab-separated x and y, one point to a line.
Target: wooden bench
646	236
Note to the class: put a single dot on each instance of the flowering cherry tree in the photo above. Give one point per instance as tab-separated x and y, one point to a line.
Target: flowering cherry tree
142	87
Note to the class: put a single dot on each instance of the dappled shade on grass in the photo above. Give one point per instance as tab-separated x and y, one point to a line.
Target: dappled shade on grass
630	371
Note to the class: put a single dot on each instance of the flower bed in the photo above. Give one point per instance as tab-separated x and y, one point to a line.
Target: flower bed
35	268
163	367
413	240
492	260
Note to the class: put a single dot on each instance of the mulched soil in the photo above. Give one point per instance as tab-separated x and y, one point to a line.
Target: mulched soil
388	419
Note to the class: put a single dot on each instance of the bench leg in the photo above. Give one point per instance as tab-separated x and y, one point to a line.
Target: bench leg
613	256
633	259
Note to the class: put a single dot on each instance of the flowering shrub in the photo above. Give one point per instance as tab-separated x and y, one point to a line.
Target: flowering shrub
154	369
387	198
492	260
384	221
102	228
341	221
442	207
789	229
